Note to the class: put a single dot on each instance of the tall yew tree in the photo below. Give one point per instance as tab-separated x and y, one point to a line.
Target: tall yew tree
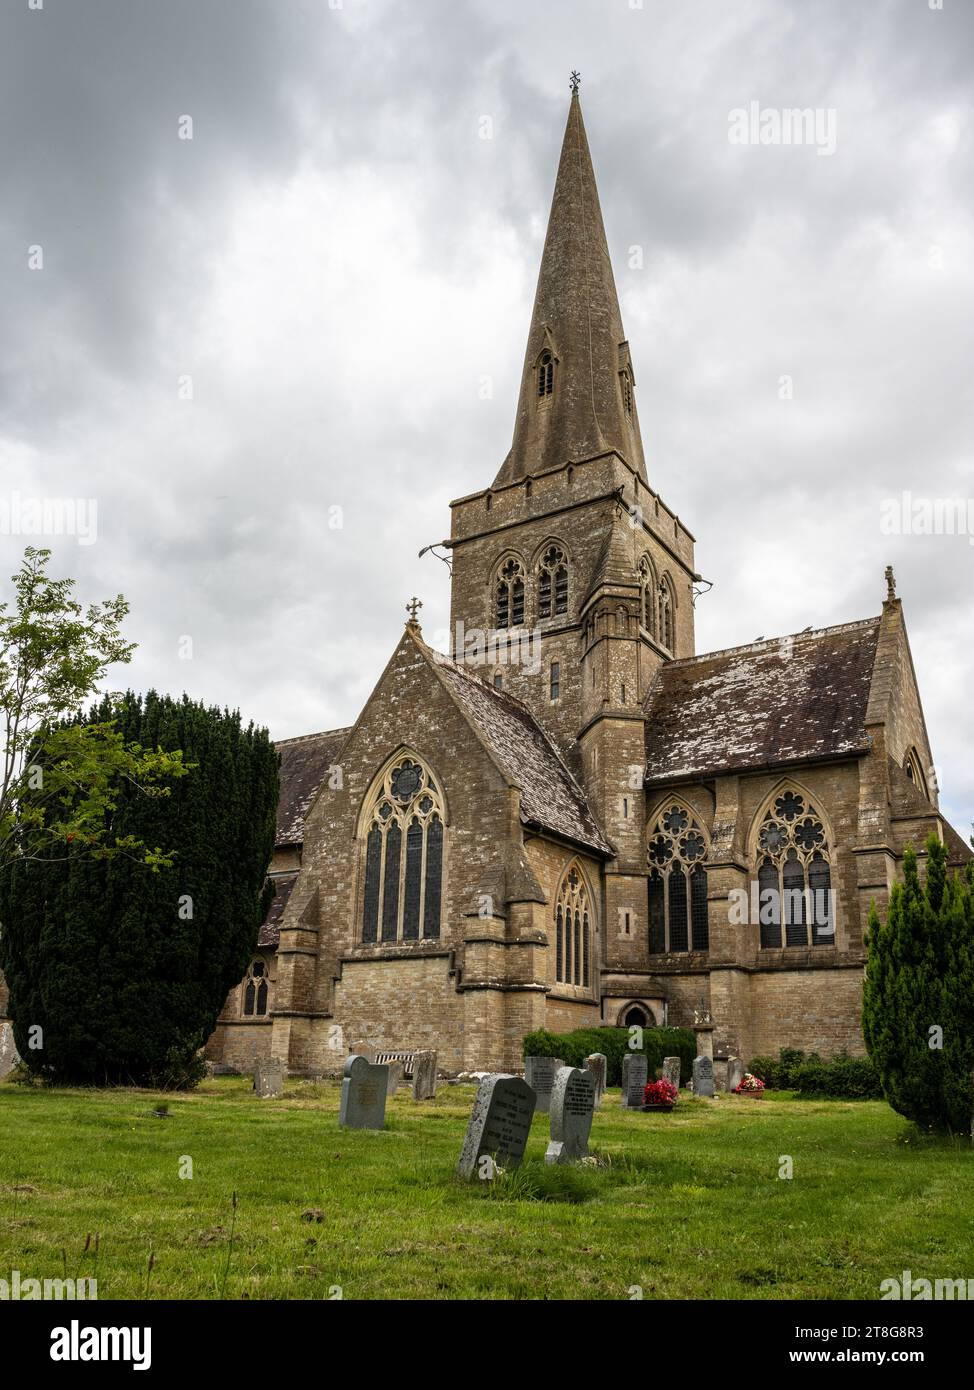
125	970
918	998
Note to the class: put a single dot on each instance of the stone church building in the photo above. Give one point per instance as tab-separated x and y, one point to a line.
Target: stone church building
575	819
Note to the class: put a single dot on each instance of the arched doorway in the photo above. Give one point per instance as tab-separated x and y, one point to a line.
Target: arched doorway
636	1017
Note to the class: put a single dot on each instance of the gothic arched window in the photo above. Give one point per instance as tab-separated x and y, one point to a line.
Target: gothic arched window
573	931
794	874
913	769
678	913
666	613
256	984
552	582
403	855
509	595
647	595
546	374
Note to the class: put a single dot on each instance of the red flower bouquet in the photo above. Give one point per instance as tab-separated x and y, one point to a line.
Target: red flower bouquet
661	1094
749	1086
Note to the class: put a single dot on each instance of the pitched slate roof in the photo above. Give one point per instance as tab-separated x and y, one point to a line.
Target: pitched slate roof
783	701
304	763
270	930
550	796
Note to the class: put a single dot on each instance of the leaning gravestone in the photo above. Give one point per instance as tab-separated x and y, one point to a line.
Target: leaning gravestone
671	1071
735	1073
635	1070
500	1123
424	1075
572	1104
269	1078
703	1076
364	1087
9	1056
598	1065
362	1049
395	1076
540	1073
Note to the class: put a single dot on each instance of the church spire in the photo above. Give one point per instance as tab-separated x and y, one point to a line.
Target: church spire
577	396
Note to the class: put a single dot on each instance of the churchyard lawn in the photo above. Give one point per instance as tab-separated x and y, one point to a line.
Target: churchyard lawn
690	1206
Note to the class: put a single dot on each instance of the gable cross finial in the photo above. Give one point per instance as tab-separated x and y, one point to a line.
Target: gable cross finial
574	80
890	584
412	608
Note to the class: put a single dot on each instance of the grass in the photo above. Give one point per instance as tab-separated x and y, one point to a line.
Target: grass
284	1204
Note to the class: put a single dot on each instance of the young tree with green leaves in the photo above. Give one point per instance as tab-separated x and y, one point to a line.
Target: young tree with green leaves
918	997
125	971
60	777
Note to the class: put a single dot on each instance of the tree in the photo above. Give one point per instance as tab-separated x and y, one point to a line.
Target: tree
918	997
60	777
123	971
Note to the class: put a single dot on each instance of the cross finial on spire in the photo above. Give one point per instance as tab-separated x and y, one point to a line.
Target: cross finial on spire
574	80
890	584
412	608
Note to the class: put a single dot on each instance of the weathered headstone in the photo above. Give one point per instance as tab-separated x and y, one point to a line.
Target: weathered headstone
424	1075
499	1125
572	1104
9	1056
735	1073
364	1087
671	1071
395	1076
635	1070
362	1049
703	1076
540	1073
598	1065
269	1078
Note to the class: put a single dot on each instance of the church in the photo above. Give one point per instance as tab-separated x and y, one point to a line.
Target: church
573	818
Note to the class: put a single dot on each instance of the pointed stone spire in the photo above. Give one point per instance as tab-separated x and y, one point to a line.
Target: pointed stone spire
589	408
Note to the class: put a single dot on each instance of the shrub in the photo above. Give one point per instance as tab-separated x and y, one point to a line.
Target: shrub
842	1078
574	1047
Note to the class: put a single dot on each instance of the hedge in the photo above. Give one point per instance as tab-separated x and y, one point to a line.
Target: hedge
840	1078
574	1047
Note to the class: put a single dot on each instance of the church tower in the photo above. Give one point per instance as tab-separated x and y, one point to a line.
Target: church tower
572	580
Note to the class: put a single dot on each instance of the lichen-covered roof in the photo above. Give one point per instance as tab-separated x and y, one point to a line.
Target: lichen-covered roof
304	764
550	796
776	702
959	851
270	929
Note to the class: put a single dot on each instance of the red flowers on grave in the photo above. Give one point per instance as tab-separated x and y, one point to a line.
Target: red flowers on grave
660	1093
749	1085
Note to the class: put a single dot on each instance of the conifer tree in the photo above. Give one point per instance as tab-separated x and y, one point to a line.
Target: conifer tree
124	970
917	1012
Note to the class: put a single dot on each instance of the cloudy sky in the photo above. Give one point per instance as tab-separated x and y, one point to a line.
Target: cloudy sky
339	259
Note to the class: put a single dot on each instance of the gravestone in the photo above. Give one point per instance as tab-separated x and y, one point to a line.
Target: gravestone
9	1056
572	1104
598	1065
635	1071
735	1073
269	1078
499	1125
703	1076
424	1075
540	1073
395	1076
364	1087
362	1049
671	1071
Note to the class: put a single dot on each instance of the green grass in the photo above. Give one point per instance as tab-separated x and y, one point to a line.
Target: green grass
689	1206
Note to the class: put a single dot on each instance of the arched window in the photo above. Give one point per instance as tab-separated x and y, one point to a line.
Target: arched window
666	614
678	914
647	595
914	770
552	583
794	874
573	931
627	391
255	997
546	374
403	855
509	595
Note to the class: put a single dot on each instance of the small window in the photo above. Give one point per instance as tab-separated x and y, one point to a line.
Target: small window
627	392
555	680
546	375
255	990
498	682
